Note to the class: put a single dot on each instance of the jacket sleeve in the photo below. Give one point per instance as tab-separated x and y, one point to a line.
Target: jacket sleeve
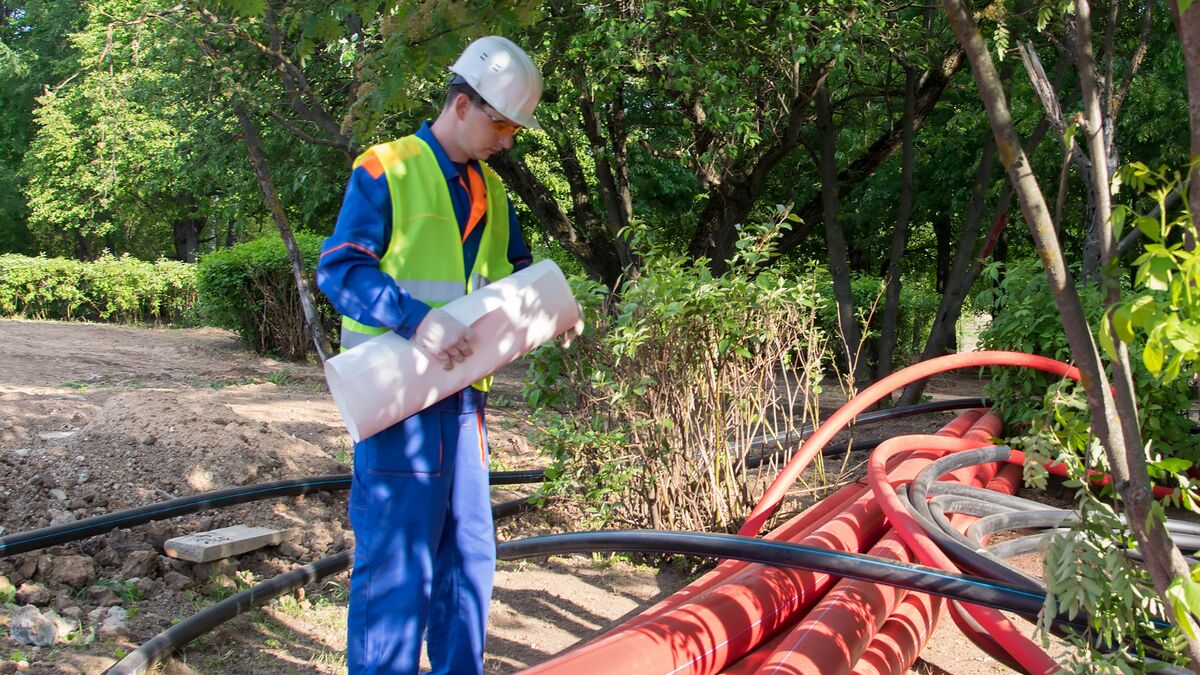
349	273
518	252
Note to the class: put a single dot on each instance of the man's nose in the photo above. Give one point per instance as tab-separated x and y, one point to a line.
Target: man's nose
506	140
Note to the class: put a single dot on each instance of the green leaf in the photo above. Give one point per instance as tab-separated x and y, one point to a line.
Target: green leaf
1122	322
1149	227
1152	356
1106	343
1173	465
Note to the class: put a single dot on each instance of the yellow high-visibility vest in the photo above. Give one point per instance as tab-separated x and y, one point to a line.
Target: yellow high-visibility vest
424	255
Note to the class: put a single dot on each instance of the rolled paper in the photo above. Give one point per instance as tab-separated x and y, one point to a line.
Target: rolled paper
387	379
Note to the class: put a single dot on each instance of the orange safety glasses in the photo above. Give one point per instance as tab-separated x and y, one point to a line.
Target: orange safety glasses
502	127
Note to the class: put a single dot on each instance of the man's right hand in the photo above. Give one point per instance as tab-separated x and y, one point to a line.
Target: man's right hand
444	338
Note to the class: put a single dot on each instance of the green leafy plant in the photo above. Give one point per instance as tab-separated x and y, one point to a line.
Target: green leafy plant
250	290
280	378
918	305
1028	321
121	290
652	417
126	590
1085	569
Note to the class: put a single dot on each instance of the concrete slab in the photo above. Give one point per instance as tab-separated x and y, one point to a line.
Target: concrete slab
225	542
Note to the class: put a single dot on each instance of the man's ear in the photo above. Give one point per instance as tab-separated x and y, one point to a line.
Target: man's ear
462	103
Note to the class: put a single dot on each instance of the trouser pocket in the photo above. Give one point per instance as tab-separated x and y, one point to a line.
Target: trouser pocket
413	447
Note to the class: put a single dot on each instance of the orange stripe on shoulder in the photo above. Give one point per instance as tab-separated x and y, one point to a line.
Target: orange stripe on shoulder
370	162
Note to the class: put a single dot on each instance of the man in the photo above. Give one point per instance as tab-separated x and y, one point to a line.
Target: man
423	222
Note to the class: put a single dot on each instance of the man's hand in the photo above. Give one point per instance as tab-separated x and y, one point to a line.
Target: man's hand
573	332
444	338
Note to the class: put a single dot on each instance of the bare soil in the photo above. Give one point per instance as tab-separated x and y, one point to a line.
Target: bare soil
96	418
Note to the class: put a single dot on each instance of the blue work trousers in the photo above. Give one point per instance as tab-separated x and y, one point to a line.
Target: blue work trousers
425	551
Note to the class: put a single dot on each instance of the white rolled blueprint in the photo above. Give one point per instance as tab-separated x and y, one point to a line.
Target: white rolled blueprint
387	379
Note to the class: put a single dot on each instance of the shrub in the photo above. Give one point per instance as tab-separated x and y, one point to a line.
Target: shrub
250	289
124	290
918	306
662	400
1028	321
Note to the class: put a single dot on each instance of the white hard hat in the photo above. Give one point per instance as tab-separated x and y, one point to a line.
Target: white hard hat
504	75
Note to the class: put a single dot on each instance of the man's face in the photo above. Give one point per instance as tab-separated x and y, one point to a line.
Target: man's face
484	130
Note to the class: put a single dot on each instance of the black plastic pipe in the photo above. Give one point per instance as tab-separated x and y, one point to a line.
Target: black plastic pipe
874	569
175	637
32	540
144	657
958	548
22	542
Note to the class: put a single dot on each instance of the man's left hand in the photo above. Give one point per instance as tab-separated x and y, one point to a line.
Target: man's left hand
573	332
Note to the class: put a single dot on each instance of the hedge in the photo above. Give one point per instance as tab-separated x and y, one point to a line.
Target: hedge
121	290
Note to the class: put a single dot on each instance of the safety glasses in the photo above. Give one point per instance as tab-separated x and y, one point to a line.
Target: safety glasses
502	127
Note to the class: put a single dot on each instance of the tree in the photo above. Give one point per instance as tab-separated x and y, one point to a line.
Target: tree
1113	415
34	53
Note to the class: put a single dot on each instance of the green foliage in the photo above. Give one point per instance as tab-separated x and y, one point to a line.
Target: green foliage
1086	570
250	289
124	290
918	305
671	383
1166	311
1028	321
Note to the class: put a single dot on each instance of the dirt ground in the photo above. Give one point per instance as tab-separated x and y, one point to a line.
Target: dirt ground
96	418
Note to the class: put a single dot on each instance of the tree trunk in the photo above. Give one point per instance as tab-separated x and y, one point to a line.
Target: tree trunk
1127	464
186	233
943	233
1188	26
261	172
835	240
582	236
959	282
891	306
933	85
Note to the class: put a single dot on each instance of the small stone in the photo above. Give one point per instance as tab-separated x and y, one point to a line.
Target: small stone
83	478
72	570
29	627
102	596
26	569
148	439
97	615
113	626
59	494
60	517
139	564
33	594
8	667
208	570
176	581
220	584
147	586
72	612
293	550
